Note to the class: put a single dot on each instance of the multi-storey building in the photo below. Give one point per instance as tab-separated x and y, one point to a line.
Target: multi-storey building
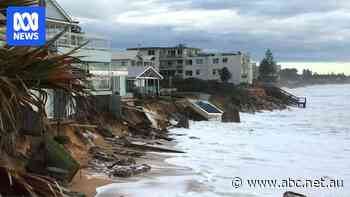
170	61
187	62
207	66
96	55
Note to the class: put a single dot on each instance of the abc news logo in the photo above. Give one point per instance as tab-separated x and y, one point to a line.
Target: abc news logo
26	26
30	30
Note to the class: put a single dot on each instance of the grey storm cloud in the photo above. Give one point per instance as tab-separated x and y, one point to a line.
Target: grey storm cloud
296	30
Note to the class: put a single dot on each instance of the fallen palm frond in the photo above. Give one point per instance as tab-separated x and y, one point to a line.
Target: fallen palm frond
25	74
14	183
6	3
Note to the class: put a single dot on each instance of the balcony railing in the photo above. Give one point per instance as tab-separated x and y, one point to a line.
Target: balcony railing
73	40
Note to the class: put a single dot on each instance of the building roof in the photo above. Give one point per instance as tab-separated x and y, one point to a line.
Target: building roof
219	54
174	47
59	10
124	55
144	73
131	55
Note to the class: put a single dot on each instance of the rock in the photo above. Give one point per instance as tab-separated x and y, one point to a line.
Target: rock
94	149
292	194
194	138
124	162
125	172
231	115
129	153
103	157
184	122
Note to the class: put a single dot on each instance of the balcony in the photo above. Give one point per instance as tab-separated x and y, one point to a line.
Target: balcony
73	40
98	49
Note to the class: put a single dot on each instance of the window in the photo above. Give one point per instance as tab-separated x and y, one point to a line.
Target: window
198	72
170	63
100	83
214	71
216	61
189	62
189	73
171	73
225	60
180	62
123	63
172	53
101	66
199	61
180	71
151	52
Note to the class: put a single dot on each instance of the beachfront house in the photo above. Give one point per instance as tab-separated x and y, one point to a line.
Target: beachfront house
143	77
144	81
96	56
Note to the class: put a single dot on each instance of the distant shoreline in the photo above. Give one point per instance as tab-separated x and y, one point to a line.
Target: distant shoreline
306	84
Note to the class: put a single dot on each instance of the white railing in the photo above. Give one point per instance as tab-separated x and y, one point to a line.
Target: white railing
73	40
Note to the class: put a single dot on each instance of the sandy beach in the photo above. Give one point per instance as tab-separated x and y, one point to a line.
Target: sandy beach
88	182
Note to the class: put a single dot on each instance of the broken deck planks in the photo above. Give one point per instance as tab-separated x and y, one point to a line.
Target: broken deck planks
146	147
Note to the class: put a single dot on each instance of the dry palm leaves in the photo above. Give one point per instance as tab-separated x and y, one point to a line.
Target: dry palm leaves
14	183
25	73
6	3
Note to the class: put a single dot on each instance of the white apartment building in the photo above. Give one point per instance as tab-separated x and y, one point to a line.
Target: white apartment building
188	62
207	66
170	61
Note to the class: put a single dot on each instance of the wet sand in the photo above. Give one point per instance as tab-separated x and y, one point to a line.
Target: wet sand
87	184
162	179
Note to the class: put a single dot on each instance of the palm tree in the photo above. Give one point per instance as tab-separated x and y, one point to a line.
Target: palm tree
25	73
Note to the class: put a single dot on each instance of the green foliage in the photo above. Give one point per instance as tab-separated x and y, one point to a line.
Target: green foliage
58	157
268	68
309	77
225	75
244	85
62	139
307	74
289	74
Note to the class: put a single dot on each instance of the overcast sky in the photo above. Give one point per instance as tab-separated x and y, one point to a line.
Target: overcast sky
304	31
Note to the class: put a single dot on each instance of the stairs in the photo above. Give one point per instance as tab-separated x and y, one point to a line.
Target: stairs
285	96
